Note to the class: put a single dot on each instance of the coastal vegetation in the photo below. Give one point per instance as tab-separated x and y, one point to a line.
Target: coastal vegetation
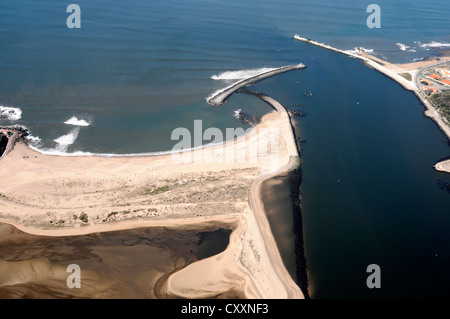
442	103
158	190
84	217
406	76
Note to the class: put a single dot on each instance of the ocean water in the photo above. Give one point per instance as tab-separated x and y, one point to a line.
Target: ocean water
136	70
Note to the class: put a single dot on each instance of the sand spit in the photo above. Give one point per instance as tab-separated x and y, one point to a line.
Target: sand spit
443	166
70	196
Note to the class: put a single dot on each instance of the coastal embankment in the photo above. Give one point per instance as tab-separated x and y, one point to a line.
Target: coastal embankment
220	97
396	72
293	174
255	199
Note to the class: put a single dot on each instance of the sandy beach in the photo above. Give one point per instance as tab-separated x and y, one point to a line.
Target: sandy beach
443	166
73	196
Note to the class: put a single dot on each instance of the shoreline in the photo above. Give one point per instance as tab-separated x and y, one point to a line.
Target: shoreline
28	201
255	200
292	170
393	72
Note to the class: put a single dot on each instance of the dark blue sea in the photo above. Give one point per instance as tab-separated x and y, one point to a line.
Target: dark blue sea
136	70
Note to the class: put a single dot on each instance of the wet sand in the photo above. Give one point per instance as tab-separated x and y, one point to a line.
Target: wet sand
278	206
120	264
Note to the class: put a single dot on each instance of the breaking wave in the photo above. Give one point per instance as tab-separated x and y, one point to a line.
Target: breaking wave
434	44
62	151
241	74
234	77
33	140
357	49
10	113
77	122
402	46
63	142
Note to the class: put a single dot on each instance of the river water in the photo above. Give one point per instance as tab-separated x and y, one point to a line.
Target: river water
369	193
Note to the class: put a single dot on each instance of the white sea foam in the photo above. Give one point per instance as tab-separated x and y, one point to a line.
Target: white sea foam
402	46
33	140
236	77
209	97
63	142
58	152
366	50
10	113
357	49
63	152
240	74
77	122
434	44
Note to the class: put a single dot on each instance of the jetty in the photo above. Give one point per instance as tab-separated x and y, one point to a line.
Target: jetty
396	72
221	96
328	47
390	70
256	203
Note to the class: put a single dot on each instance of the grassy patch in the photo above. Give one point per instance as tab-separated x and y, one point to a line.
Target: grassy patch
5	197
112	214
442	103
406	76
158	190
84	218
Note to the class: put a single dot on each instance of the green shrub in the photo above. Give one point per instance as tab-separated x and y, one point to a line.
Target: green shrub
84	218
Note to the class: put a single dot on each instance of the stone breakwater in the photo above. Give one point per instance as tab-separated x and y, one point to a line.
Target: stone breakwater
221	96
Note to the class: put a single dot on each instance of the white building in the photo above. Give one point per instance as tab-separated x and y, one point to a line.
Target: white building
445	73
